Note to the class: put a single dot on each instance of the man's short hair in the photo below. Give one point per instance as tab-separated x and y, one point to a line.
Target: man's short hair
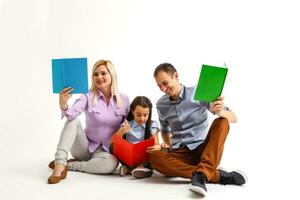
166	67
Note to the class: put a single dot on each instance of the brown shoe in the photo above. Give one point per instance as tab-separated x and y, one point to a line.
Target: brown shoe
51	164
56	179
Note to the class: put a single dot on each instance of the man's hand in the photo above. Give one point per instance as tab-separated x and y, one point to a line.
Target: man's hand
217	106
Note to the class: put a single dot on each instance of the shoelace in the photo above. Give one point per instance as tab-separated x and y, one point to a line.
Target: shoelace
199	178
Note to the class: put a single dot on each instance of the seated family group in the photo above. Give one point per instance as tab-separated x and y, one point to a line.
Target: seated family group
191	147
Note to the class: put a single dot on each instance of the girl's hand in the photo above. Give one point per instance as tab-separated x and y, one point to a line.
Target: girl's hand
63	97
153	148
165	146
126	127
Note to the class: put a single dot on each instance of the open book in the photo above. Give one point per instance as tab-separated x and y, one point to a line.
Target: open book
131	154
210	84
70	72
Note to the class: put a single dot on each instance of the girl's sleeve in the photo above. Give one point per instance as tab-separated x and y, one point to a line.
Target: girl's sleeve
154	127
77	108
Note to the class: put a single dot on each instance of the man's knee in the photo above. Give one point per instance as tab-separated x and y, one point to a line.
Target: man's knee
221	121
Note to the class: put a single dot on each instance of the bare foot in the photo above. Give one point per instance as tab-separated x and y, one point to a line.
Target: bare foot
69	163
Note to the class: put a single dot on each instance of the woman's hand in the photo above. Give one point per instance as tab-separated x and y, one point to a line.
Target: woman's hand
64	95
153	148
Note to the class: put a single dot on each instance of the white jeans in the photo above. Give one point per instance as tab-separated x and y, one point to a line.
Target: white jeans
73	139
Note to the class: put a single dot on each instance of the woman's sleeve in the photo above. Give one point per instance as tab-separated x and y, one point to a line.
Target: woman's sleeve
77	108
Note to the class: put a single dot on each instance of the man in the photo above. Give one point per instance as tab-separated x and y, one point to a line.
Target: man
194	149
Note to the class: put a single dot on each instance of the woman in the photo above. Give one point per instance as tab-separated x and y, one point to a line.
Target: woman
105	109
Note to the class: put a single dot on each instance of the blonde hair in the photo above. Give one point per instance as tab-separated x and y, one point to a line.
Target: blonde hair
114	85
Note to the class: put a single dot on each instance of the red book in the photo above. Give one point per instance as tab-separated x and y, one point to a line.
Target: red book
131	154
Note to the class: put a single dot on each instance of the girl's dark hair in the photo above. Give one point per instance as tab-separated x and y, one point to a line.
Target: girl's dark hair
145	103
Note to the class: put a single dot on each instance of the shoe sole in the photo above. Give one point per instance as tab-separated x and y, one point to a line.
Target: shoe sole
239	171
142	174
198	190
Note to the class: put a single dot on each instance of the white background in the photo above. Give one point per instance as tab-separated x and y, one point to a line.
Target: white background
258	40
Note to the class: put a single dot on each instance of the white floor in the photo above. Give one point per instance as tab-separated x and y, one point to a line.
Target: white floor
29	182
25	155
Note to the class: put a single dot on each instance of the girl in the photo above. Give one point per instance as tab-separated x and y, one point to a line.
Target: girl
105	109
138	127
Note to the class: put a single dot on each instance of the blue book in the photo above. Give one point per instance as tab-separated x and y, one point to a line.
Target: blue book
70	72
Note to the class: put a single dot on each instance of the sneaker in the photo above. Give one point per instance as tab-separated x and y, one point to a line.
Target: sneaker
198	183
142	173
232	178
124	171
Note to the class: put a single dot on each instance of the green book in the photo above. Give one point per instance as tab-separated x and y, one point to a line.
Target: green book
210	84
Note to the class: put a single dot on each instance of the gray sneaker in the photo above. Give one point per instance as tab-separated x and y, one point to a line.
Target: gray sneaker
198	183
232	178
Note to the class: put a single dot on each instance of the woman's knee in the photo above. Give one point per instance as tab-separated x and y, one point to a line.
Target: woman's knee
108	164
100	165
